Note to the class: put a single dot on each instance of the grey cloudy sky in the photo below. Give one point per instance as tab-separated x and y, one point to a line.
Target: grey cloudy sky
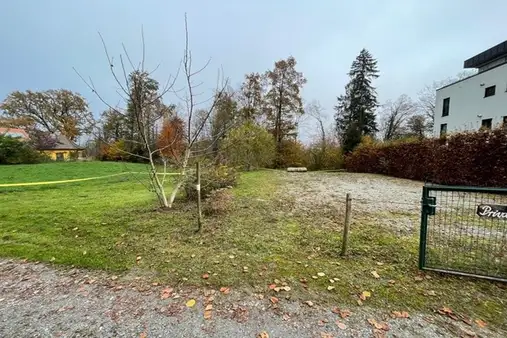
415	42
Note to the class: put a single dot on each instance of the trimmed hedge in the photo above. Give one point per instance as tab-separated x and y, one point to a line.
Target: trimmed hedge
477	159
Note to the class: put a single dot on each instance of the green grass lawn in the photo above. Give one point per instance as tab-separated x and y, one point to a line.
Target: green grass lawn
107	224
55	171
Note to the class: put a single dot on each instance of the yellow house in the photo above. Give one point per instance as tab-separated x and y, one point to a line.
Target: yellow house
63	149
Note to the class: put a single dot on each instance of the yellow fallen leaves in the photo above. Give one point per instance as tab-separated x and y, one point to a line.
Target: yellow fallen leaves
263	334
190	303
365	295
375	274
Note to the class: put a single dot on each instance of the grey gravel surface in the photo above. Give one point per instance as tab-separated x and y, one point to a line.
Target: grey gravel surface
39	300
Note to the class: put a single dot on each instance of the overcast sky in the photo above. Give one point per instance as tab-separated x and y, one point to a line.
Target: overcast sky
414	41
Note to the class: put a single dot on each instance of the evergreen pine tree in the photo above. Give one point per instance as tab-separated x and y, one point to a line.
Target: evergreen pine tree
355	111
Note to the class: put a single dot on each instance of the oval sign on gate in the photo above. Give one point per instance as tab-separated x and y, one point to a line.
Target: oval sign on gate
492	211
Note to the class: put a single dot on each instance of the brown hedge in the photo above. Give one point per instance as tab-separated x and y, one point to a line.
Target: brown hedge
477	159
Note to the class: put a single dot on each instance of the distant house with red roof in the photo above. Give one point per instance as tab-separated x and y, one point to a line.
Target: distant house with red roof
15	132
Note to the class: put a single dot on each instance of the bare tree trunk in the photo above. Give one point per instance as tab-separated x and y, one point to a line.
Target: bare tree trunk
181	179
198	188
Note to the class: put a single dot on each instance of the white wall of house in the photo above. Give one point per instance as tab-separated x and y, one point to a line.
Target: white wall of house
468	104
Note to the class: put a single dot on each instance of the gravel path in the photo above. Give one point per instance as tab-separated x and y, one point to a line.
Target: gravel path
390	202
37	300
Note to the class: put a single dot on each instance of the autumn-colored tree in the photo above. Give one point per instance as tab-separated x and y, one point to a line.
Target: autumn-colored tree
51	111
171	139
283	100
252	96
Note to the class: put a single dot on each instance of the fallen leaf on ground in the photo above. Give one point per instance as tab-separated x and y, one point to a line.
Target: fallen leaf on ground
143	335
272	286
418	278
400	314
430	293
277	289
205	276
375	274
330	287
341	325
285	317
444	310
207	314
364	295
286	288
263	334
303	280
274	300
276	281
359	302
379	333
326	335
345	313
331	281
309	303
480	322
225	290
321	274
380	263
315	277
166	293
378	325
209	307
190	303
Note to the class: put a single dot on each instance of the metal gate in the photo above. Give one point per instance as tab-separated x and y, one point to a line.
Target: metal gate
464	231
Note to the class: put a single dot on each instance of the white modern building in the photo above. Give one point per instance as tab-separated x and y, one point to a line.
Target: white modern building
477	101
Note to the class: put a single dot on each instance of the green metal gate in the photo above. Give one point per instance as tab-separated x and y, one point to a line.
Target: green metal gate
464	231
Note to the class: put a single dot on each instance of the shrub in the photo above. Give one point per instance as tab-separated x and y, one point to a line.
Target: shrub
292	154
478	158
218	202
16	151
212	178
249	146
325	157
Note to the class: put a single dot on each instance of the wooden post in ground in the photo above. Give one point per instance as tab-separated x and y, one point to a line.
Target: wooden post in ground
348	209
198	188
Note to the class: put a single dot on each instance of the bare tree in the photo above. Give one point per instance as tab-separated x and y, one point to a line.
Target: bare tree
141	101
395	115
315	110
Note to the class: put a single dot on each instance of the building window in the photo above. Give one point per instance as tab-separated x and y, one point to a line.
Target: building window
443	129
486	123
445	108
490	91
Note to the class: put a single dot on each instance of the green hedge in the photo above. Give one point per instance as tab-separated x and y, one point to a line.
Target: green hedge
477	159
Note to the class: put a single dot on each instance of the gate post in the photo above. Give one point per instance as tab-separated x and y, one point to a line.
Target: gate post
424	228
